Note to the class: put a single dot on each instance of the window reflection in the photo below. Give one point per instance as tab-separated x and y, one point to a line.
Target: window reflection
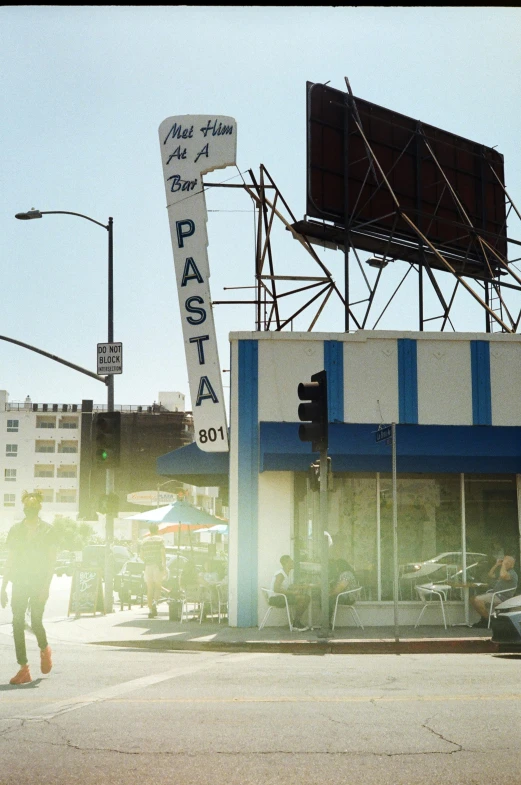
429	525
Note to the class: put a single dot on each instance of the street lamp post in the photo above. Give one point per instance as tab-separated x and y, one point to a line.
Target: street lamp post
161	485
109	476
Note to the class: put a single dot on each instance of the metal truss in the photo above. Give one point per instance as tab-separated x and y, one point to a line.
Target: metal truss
273	289
488	286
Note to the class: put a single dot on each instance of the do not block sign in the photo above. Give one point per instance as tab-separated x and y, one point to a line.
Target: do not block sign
110	358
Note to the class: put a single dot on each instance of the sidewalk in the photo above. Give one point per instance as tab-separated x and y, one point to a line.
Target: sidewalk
133	629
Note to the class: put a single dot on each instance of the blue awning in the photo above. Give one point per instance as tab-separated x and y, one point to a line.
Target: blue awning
191	465
474	449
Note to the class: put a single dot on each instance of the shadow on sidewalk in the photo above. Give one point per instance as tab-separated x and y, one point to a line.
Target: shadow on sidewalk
161	633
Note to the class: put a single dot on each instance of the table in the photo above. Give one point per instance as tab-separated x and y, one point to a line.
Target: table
466	587
314	589
310	589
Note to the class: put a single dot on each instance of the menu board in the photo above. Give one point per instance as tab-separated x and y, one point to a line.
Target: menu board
86	592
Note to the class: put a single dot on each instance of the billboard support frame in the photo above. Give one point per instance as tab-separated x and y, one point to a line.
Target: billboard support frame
492	277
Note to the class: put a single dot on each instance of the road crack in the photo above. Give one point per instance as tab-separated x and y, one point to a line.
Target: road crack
459	747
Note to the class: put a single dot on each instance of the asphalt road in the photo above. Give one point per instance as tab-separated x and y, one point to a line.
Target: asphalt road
109	715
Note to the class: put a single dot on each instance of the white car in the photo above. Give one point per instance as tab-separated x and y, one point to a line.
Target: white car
443	567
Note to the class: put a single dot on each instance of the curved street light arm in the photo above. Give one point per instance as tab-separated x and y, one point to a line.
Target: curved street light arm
93	375
68	212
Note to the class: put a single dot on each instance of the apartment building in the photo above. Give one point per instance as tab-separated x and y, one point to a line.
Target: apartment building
40	448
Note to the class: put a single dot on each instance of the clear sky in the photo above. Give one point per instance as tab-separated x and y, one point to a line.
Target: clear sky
83	91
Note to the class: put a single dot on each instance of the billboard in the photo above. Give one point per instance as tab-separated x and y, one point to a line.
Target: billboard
447	185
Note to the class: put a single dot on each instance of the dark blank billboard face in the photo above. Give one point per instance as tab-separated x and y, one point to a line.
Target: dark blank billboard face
399	143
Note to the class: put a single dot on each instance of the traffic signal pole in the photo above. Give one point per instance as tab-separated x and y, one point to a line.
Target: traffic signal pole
314	416
109	471
324	567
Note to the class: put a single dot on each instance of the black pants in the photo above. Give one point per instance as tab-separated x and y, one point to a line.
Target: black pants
22	595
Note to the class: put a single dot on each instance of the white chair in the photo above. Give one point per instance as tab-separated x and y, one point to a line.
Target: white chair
347	607
207	595
222	601
190	597
268	594
430	594
507	592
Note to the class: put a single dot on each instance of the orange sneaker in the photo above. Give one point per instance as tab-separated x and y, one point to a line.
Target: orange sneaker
22	677
46	660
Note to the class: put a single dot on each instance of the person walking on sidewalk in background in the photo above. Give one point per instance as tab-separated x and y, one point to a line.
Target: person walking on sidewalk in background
505	581
31	559
282	583
153	553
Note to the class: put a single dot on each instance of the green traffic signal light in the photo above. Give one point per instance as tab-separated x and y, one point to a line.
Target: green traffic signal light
107	438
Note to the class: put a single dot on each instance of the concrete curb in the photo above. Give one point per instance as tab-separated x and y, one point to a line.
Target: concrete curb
406	646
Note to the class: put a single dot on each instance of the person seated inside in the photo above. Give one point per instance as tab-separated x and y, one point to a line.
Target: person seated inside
505	581
298	599
343	579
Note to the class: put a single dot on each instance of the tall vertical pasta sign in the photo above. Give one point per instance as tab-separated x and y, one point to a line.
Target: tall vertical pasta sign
192	145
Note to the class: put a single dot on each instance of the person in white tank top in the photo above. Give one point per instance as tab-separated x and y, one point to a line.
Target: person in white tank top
282	583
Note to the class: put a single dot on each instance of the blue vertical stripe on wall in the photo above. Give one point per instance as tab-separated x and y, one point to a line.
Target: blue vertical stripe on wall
407	381
248	471
481	400
334	367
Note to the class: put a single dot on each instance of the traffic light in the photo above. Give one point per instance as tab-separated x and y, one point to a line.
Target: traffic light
313	413
107	438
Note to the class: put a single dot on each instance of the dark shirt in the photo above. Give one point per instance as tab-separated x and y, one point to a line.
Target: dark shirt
501	585
32	553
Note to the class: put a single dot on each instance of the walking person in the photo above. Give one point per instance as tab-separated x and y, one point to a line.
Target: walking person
153	553
31	559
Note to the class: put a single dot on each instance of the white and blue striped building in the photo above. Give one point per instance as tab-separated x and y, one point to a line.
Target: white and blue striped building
455	399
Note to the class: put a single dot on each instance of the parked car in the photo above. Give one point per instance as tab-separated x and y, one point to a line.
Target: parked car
506	624
175	564
65	563
94	556
441	567
130	583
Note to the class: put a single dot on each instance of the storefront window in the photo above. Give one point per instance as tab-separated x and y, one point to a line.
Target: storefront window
351	526
491	514
429	525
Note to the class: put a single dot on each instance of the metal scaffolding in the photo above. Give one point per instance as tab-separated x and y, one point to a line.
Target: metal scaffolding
481	270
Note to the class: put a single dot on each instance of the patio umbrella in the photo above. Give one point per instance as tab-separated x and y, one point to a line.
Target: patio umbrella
178	512
178	516
219	528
